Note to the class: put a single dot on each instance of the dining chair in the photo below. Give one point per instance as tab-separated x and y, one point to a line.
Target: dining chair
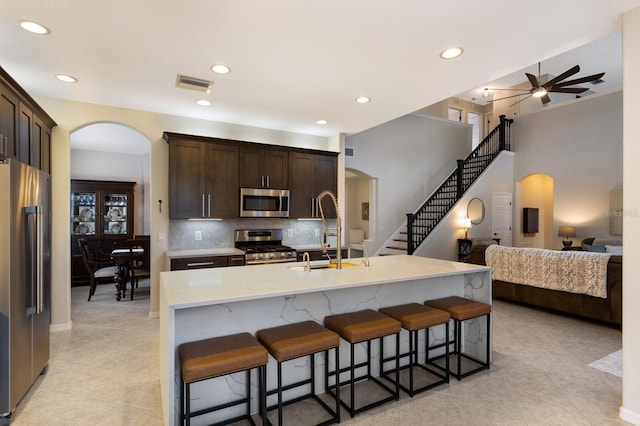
99	269
140	266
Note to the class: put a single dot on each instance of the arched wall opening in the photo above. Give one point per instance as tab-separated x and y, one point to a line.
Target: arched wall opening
535	191
111	151
361	212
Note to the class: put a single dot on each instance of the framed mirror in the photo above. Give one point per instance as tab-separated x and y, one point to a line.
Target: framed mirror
475	211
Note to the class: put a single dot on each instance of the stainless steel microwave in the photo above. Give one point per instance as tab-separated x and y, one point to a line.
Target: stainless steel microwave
259	202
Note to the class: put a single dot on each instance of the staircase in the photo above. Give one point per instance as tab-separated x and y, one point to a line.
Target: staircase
425	219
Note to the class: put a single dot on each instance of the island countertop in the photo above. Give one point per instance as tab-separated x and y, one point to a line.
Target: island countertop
200	287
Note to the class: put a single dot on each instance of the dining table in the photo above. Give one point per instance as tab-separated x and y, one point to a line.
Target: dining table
122	258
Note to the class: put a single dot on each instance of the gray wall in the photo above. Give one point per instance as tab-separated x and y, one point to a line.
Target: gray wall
580	147
410	156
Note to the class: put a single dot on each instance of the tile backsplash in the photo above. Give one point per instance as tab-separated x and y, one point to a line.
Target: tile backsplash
220	233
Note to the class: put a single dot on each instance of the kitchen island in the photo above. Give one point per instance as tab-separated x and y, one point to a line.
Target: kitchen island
204	303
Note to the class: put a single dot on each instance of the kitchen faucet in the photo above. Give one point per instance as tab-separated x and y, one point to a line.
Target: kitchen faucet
325	230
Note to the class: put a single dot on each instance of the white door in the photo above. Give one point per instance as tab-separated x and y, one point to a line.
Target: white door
501	222
455	114
474	119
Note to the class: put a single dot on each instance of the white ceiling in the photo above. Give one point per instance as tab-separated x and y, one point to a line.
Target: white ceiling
293	61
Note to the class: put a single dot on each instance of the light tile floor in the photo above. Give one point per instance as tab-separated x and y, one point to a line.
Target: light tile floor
105	372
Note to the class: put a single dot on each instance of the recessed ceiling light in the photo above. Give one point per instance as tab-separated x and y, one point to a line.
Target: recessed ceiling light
220	69
34	27
321	122
452	52
66	78
203	102
363	100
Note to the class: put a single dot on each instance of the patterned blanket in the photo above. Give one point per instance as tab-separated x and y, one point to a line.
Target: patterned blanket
572	271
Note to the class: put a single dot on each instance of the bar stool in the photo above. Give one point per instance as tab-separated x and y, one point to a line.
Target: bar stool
415	317
462	309
220	356
292	341
357	327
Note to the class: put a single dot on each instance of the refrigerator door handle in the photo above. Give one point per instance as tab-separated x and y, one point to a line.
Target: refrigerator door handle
37	267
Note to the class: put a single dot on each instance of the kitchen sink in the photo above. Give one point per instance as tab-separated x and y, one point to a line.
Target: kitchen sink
323	266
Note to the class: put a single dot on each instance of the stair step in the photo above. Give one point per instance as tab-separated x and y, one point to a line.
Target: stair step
396	248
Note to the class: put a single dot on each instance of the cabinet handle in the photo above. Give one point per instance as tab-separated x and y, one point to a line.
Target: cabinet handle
195	264
203	204
261	181
268	181
3	144
313	207
209	202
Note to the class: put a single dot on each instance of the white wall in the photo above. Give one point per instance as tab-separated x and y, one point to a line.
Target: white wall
96	165
580	147
410	157
442	242
630	409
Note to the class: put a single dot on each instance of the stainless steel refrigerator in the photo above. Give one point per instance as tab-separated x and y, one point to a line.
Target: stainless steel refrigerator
25	278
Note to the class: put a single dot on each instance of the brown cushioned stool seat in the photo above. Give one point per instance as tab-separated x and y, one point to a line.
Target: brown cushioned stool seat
415	317
462	309
220	356
357	327
296	340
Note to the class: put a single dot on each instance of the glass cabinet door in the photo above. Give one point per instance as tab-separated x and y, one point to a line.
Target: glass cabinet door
83	213
115	214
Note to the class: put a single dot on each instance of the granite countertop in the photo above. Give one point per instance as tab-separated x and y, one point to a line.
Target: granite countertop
223	251
202	287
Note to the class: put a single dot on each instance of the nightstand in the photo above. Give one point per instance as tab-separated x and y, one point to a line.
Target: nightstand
464	248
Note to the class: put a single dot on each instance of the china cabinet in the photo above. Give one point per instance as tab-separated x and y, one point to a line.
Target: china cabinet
102	213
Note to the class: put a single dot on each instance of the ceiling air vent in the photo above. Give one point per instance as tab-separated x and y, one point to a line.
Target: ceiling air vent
192	83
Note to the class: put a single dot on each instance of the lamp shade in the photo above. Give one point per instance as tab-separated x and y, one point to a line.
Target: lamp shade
466	222
567	231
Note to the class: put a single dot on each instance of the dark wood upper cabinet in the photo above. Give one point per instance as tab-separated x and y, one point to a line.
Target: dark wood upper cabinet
203	180
264	168
25	129
9	108
310	174
206	174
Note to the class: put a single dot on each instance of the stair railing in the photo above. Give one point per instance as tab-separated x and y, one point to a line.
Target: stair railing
425	219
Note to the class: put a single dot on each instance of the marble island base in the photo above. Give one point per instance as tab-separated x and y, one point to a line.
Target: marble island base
215	302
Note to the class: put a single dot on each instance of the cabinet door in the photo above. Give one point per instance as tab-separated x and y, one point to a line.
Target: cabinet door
222	181
9	109
276	169
301	203
250	168
325	177
187	178
35	144
45	150
25	123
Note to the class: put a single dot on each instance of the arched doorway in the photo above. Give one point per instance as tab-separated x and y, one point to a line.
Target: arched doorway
107	151
361	213
535	191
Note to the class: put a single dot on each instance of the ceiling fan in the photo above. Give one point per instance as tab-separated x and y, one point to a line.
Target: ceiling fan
556	85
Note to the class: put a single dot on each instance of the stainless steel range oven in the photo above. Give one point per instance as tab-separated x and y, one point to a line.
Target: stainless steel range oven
262	246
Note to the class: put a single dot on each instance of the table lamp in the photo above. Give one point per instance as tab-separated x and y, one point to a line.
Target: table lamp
567	232
466	224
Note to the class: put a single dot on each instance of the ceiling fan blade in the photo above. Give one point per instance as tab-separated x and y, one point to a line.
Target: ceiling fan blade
511	90
587	79
567	73
557	89
519	100
545	99
533	80
507	97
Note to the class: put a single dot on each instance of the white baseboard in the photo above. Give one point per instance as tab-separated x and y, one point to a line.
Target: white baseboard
155	314
61	327
630	416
